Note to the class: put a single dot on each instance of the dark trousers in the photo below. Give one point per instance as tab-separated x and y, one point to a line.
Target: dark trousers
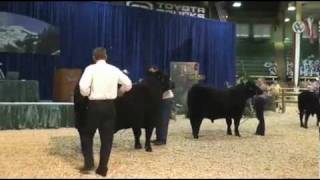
100	115
162	126
259	103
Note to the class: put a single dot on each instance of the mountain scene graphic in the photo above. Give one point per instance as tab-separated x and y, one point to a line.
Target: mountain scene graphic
22	34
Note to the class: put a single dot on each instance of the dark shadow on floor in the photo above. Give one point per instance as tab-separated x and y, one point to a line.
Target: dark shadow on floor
68	148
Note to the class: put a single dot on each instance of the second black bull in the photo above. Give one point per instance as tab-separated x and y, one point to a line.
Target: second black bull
308	104
136	109
207	102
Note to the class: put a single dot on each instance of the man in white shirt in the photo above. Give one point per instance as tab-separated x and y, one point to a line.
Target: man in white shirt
100	83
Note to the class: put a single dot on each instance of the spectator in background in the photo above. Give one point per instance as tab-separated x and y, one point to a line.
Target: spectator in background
275	90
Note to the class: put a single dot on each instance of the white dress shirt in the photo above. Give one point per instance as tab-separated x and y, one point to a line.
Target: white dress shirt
167	94
100	81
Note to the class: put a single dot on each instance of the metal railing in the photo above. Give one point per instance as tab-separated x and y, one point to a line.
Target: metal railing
288	95
265	77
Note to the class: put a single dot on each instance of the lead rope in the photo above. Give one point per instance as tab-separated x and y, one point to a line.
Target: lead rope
245	119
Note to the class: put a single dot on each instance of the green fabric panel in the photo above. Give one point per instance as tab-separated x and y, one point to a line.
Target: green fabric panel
19	91
68	116
33	116
252	54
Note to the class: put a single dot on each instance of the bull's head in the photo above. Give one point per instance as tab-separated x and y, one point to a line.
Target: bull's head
252	89
163	79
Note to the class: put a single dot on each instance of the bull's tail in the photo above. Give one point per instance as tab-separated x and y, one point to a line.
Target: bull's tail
188	108
188	113
189	103
300	102
80	107
191	100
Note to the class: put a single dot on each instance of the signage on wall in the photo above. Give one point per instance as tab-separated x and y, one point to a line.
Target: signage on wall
311	29
298	27
319	33
172	8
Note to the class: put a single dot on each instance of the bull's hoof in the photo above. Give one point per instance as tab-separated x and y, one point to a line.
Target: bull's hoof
137	146
229	133
196	137
238	135
87	170
102	172
260	134
148	149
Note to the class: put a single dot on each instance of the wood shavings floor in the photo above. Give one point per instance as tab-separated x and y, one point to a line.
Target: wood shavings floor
287	151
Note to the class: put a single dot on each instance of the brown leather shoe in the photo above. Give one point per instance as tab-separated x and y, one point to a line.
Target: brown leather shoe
159	143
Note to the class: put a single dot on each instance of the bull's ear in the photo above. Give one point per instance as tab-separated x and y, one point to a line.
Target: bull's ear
250	81
244	81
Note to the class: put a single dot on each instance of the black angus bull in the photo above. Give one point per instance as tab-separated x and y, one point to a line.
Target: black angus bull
308	103
207	102
136	109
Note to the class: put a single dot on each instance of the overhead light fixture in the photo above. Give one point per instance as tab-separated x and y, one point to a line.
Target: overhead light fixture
286	19
291	6
236	4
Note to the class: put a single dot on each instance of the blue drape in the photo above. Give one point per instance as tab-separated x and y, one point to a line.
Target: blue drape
135	38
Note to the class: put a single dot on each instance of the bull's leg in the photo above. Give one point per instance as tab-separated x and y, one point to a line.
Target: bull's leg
148	147
301	118
82	141
236	126
229	123
195	124
137	134
306	120
318	118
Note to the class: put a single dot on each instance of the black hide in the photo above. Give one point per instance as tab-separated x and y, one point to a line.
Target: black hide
207	102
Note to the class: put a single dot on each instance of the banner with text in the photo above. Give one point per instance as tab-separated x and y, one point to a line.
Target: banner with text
184	10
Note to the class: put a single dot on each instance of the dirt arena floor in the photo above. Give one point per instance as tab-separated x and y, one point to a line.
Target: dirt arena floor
287	151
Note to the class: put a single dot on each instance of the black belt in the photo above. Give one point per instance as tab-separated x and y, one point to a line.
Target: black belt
102	100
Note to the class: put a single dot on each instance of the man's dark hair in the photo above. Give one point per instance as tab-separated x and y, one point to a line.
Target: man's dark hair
100	53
